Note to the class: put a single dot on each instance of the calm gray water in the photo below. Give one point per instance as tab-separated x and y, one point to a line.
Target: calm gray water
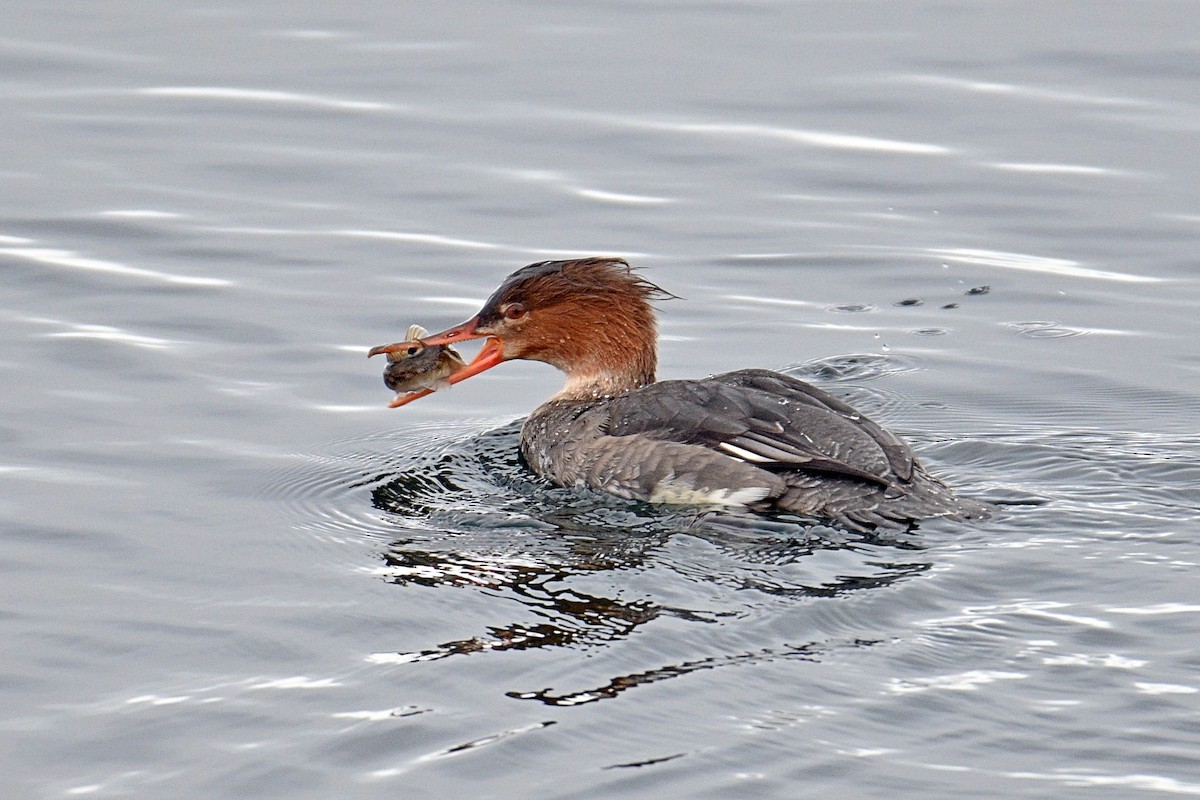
228	571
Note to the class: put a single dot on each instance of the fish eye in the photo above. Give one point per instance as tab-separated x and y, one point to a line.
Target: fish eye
412	350
514	311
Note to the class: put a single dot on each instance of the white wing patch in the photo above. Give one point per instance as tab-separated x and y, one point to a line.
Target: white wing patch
742	455
683	493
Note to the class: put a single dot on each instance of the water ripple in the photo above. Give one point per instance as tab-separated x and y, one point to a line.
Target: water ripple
1040	329
422	238
1030	263
417	238
746	130
459	749
270	96
961	682
1044	94
71	51
620	198
1054	169
560	182
1092	780
71	260
624	683
456	510
853	367
109	333
139	213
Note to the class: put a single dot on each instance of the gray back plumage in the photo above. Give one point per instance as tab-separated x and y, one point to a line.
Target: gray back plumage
752	437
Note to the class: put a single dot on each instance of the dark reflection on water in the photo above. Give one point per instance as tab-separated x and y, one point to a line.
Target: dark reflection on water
623	683
472	484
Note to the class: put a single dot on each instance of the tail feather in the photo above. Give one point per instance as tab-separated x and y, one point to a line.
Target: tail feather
863	506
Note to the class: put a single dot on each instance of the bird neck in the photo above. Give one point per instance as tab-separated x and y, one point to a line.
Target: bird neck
613	365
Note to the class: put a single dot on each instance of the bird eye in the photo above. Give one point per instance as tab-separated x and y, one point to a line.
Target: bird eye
412	350
514	311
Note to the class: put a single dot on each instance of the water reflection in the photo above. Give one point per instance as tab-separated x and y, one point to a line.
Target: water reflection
806	652
573	617
474	520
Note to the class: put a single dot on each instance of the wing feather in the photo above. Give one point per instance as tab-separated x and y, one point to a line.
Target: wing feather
769	420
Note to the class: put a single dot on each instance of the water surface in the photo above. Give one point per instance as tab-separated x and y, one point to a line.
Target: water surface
229	571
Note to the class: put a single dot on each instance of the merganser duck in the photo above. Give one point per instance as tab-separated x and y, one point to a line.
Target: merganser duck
751	439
